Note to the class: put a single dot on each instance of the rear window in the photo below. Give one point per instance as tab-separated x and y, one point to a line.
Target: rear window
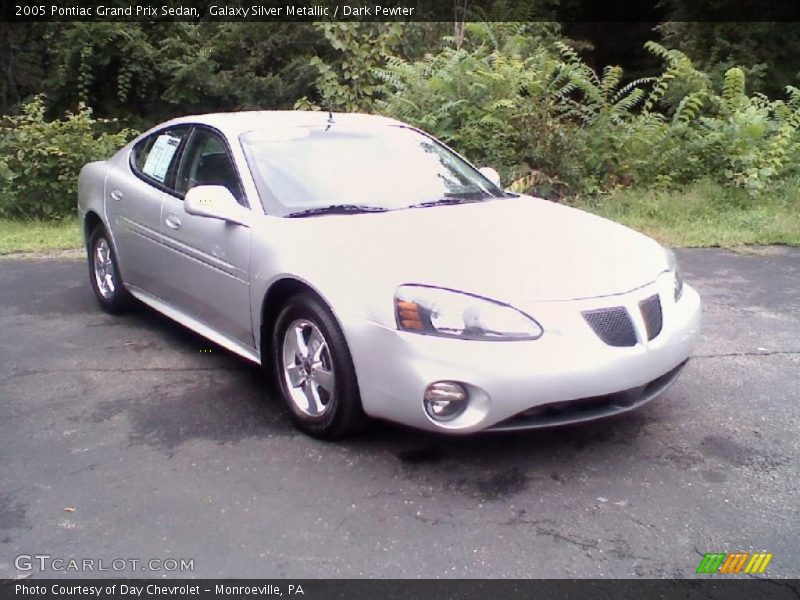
155	156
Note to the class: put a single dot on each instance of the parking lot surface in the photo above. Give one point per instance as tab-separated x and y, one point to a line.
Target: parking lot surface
130	437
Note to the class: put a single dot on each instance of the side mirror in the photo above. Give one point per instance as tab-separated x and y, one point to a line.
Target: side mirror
215	202
491	175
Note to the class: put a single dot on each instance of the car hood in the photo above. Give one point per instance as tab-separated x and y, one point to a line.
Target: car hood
515	250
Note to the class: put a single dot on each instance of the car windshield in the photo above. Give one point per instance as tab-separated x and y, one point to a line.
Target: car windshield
305	170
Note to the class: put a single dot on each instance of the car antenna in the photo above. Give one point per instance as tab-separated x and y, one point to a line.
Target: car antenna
330	119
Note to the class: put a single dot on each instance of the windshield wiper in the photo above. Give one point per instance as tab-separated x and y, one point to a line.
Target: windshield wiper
447	200
336	209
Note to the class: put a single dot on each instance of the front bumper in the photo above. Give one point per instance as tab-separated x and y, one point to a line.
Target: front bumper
527	384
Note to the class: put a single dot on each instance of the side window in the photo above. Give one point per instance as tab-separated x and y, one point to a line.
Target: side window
155	156
206	162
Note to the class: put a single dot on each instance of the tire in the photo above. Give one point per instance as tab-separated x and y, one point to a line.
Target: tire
314	370
104	274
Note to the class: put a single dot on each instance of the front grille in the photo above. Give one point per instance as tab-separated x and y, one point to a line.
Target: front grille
612	325
651	314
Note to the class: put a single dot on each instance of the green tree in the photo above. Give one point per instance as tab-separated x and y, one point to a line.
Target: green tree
151	71
347	80
22	67
107	65
228	66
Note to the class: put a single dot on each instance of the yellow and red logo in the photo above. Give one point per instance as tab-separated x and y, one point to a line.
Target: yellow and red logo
735	562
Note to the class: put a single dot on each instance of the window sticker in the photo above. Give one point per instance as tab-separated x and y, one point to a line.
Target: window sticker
160	156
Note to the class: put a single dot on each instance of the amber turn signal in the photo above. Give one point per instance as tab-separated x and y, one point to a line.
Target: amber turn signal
408	315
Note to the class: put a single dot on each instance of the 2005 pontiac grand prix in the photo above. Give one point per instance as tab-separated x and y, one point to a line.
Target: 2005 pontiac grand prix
374	272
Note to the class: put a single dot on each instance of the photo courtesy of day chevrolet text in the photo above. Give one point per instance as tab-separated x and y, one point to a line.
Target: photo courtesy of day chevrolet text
175	590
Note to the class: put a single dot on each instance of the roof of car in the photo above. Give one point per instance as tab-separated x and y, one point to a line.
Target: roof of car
236	123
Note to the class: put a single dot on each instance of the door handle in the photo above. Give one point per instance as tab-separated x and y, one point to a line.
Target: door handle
117	195
173	222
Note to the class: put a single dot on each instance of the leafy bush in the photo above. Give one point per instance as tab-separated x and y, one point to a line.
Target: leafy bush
552	125
750	142
498	102
40	160
508	95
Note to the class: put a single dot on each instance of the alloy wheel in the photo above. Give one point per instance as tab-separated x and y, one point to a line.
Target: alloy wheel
308	368
104	273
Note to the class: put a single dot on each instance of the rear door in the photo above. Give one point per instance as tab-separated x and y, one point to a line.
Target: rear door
134	195
209	259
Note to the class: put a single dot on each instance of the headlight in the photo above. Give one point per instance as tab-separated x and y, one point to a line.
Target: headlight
674	267
437	311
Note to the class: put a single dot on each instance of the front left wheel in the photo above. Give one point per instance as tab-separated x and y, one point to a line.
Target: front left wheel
104	274
314	371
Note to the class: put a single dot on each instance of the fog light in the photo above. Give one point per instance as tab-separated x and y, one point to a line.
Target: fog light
445	400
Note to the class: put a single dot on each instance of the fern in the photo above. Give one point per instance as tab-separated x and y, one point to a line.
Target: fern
794	97
611	78
733	85
629	101
689	107
568	54
629	87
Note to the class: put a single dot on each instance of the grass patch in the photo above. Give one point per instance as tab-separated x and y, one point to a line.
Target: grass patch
39	236
706	214
702	214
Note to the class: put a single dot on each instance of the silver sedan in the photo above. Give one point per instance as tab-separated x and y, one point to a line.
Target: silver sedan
374	272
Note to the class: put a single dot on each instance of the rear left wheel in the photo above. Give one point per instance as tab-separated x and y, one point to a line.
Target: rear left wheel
104	274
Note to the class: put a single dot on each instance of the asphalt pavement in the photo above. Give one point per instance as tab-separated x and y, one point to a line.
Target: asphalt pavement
132	438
